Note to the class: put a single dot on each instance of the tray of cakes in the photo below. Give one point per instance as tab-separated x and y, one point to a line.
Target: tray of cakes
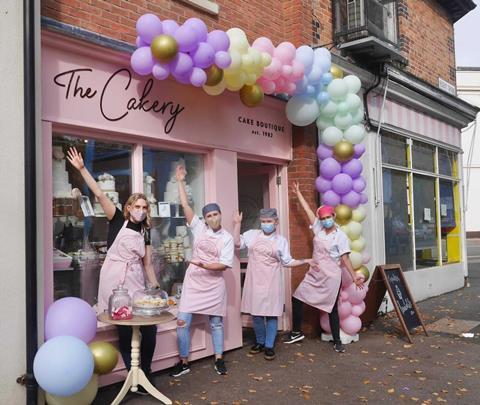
151	301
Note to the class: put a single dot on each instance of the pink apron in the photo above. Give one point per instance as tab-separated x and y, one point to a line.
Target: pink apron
262	291
320	286
203	291
123	265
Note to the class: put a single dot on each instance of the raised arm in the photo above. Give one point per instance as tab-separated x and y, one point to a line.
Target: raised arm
303	203
237	223
76	160
180	174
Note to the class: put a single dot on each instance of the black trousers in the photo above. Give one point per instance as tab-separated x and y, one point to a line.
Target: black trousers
334	319
147	346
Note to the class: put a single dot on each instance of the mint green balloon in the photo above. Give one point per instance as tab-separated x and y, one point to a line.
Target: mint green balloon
355	134
343	121
329	109
343	107
353	101
331	136
324	123
353	83
357	116
337	89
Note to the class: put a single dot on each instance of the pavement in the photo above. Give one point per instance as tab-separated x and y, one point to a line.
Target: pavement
382	367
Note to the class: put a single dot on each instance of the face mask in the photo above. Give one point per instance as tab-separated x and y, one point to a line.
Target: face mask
327	223
138	216
268	228
214	222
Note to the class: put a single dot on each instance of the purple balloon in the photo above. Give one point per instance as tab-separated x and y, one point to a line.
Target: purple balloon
160	71
186	38
342	183
330	198
183	79
322	185
203	56
182	65
223	59
329	168
219	40
353	168
324	151
363	198
358	150
148	27
359	184
198	77
352	199
73	317
140	42
142	61
170	27
199	27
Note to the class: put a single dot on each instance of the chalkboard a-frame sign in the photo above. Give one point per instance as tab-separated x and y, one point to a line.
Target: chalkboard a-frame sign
390	278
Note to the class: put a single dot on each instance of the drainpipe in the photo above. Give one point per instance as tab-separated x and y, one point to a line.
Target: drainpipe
29	27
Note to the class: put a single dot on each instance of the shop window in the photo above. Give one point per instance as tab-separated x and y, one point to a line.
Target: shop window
394	150
426	243
171	238
423	157
79	224
450	221
446	162
398	230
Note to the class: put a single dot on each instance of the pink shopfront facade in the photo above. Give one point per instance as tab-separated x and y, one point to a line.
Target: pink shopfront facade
134	130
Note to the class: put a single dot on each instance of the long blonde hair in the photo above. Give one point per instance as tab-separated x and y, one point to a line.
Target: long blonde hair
147	222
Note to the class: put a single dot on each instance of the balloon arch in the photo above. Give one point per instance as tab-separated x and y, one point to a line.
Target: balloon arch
318	92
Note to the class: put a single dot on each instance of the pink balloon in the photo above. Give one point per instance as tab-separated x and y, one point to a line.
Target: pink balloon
330	198
344	309
142	61
346	279
322	185
358	310
267	86
290	88
343	295
263	44
325	322
273	70
324	151
223	59
160	71
355	294
365	258
351	325
285	52
298	70
287	71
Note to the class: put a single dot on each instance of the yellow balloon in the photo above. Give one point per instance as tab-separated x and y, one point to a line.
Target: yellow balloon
358	244
164	48
215	90
343	151
343	214
105	357
364	272
84	397
354	230
251	79
236	61
214	75
356	259
251	96
266	59
234	79
336	72
359	214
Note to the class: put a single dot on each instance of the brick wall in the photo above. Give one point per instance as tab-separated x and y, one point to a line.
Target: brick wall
427	40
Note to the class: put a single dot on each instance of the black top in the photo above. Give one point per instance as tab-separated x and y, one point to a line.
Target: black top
116	223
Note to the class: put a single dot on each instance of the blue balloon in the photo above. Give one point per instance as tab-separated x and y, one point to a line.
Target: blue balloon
305	55
315	74
327	78
323	98
63	366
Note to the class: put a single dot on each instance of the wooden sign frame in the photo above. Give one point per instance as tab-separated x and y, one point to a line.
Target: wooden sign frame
377	288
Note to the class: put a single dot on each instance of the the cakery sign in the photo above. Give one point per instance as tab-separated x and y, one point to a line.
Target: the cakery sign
89	88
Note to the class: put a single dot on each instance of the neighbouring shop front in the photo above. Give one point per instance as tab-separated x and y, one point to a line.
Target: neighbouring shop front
132	133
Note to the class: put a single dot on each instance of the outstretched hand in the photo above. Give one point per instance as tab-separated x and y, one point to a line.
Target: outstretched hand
180	173
75	158
296	188
237	217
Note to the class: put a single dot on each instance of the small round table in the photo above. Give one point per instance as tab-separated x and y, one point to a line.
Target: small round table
136	376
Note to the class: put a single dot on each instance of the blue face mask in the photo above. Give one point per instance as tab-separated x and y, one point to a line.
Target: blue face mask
327	223
268	228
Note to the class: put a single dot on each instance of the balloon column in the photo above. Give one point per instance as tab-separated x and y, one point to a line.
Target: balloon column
342	186
65	366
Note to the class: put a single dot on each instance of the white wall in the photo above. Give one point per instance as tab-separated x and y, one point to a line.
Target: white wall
12	285
468	89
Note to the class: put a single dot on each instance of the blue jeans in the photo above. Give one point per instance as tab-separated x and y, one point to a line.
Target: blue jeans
265	328
183	333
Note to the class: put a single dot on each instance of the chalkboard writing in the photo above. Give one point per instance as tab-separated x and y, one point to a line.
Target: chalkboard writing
390	278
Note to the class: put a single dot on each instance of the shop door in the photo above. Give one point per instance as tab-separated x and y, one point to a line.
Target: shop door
258	187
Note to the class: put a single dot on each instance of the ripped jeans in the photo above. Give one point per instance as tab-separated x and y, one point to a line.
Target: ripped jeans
183	333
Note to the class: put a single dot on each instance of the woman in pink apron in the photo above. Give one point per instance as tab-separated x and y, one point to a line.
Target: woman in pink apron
128	259
203	289
321	285
263	293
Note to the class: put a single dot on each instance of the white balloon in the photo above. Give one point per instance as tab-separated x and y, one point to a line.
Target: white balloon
353	83
359	214
355	133
354	230
302	110
356	259
331	136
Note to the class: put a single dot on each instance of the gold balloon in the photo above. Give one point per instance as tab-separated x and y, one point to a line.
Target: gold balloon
164	48
336	72
364	272
251	96
214	75
343	214
105	357
84	397
343	151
